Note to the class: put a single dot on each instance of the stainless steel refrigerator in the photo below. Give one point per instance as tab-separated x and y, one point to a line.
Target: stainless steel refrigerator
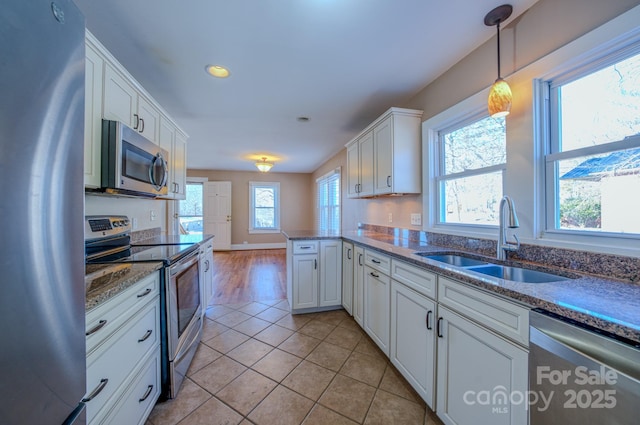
42	295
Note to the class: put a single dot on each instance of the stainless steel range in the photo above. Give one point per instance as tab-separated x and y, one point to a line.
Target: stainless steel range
107	240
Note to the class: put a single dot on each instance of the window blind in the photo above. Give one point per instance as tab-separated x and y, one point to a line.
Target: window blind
328	202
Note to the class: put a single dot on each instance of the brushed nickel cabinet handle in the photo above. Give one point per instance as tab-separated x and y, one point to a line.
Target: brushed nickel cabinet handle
145	293
146	335
146	394
97	390
96	328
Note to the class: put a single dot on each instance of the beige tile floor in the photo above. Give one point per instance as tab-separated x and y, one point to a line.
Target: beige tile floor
258	364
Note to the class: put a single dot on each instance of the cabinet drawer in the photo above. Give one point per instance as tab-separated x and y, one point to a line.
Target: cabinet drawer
138	401
494	313
115	360
414	277
305	247
377	261
105	319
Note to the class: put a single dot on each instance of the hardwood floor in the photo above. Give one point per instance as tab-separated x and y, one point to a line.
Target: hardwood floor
244	276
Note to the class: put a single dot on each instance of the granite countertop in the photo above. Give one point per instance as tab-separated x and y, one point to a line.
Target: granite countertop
310	234
174	240
104	281
610	305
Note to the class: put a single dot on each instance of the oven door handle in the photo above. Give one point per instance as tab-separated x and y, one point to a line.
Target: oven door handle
184	263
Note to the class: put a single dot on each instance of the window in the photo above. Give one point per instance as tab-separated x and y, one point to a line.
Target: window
190	214
264	200
592	161
471	160
328	202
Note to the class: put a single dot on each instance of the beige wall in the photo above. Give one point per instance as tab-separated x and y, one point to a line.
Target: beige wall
547	26
371	211
296	209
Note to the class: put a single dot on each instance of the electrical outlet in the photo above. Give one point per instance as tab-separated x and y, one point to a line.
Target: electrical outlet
416	219
152	215
390	218
134	223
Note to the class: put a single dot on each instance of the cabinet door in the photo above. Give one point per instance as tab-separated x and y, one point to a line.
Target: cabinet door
478	374
383	156
353	170
366	164
347	276
413	339
376	307
120	98
330	273
166	140
180	166
358	286
94	70
305	281
149	120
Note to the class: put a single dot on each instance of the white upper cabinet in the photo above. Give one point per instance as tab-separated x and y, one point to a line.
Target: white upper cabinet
94	74
174	142
385	157
111	93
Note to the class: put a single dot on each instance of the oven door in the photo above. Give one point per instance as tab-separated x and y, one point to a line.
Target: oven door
183	302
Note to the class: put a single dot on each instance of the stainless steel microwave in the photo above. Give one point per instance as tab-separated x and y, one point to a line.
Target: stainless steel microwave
131	164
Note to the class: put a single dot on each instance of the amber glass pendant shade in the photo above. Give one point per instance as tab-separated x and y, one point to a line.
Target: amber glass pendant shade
499	101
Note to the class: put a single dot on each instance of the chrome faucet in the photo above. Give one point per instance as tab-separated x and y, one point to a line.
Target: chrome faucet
512	223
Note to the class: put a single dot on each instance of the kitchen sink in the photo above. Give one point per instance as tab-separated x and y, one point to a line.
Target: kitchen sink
454	260
517	274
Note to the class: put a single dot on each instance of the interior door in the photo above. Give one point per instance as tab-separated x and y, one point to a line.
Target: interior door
217	214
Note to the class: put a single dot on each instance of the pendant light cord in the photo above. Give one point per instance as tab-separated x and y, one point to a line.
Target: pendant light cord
498	26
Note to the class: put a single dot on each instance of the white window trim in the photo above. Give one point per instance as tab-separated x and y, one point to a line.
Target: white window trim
276	229
331	173
587	52
466	110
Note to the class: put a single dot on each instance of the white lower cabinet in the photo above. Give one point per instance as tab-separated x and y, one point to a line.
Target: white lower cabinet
358	285
123	355
479	373
482	357
377	292
315	278
347	276
206	274
413	339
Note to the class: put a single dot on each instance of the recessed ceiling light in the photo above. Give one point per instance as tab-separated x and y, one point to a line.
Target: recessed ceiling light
303	119
217	71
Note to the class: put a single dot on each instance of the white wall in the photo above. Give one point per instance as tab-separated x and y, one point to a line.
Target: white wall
134	208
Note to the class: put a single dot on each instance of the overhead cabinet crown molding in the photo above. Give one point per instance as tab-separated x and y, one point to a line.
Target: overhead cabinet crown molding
384	159
112	93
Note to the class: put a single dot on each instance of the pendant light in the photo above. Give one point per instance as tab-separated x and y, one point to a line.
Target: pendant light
263	165
499	101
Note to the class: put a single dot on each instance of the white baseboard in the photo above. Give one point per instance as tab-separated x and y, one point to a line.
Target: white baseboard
249	246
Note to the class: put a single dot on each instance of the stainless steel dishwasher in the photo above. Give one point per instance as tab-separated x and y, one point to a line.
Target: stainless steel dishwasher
580	376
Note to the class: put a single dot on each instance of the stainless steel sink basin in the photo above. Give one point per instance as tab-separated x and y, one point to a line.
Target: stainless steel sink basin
517	274
454	260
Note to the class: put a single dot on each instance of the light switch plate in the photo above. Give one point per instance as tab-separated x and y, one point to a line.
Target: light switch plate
416	219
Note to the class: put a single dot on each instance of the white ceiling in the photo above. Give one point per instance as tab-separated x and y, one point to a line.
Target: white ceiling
339	62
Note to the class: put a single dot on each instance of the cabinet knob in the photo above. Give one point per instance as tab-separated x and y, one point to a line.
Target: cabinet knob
388	181
439	327
137	123
428	319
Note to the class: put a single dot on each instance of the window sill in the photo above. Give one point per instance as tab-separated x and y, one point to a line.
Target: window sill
259	231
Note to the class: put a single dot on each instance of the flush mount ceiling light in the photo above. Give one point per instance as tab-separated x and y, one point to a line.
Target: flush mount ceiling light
499	101
217	71
263	165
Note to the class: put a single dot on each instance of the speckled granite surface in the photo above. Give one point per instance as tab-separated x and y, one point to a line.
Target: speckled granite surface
103	281
610	304
310	235
139	235
606	304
